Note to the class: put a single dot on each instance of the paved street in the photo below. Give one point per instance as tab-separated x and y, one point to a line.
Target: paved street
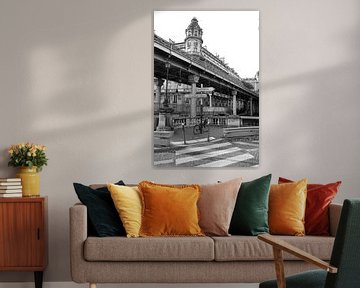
199	152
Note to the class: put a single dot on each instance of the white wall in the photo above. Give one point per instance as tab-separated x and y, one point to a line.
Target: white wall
77	76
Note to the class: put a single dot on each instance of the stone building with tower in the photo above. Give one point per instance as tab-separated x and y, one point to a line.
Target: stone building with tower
230	96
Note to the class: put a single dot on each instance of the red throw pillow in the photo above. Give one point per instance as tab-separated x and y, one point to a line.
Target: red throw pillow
319	197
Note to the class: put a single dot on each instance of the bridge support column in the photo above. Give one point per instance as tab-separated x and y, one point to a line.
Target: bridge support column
251	106
193	79
159	82
164	122
210	100
234	92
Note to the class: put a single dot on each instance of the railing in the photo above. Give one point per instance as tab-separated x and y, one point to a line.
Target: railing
220	121
216	109
178	122
240	132
188	122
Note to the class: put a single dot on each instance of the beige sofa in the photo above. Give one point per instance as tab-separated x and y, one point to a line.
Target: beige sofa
234	259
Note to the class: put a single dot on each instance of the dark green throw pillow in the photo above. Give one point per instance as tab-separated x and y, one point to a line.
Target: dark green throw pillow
250	216
103	218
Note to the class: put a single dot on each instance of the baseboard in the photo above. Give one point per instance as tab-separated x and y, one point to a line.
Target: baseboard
74	285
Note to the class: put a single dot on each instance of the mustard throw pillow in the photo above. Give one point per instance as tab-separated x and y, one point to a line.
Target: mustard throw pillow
287	204
127	201
169	210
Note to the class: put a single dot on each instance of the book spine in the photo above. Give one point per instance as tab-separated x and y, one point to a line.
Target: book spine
10	183
10	180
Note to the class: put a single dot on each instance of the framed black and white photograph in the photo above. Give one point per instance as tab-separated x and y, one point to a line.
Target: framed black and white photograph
206	89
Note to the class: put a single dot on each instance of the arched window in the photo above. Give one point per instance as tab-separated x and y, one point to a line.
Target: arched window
195	33
196	46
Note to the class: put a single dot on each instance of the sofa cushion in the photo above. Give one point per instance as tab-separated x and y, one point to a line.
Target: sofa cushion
318	199
169	210
149	249
216	206
244	248
287	204
127	201
250	215
103	218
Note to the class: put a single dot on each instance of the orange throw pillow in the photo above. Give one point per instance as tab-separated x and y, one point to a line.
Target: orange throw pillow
318	200
287	204
169	210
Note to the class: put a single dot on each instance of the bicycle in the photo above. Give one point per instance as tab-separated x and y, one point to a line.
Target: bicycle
201	128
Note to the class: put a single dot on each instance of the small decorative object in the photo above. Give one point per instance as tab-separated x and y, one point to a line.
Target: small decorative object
30	158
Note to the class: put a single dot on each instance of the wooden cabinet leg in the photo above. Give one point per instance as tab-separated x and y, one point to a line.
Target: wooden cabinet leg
38	279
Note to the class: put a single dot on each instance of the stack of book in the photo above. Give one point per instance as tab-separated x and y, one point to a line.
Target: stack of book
10	187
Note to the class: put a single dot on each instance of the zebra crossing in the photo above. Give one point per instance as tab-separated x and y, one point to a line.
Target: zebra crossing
223	154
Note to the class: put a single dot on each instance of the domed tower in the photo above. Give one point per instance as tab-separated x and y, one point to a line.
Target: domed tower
193	40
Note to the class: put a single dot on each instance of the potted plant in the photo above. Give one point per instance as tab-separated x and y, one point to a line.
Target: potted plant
30	158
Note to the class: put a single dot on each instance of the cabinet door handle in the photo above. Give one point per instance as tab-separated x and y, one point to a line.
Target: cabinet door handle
38	234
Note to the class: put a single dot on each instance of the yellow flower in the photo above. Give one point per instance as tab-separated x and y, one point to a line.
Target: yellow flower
27	152
40	147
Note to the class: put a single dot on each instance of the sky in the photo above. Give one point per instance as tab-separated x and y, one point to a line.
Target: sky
233	35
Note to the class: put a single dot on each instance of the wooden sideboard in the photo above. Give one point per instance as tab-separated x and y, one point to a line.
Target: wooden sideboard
23	235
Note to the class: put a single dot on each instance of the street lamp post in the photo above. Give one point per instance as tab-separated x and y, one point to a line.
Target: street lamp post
201	116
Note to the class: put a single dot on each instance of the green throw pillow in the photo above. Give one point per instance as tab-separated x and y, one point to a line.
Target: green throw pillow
250	215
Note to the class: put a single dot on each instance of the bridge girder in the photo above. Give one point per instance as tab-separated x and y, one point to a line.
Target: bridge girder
180	68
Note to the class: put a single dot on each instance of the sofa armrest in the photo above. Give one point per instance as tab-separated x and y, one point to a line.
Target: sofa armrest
334	217
78	235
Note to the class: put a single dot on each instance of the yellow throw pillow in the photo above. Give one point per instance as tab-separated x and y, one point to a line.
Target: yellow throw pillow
169	210
287	204
127	201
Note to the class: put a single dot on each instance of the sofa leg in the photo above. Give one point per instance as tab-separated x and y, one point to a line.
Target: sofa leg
92	285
